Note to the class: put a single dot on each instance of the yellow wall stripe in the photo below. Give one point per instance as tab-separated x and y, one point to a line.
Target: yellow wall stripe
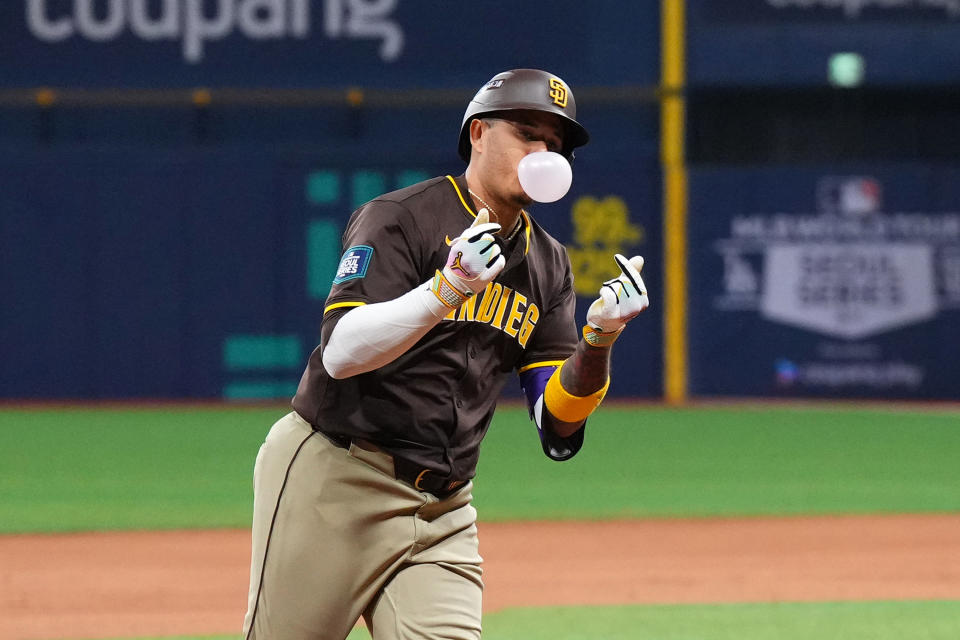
672	124
340	305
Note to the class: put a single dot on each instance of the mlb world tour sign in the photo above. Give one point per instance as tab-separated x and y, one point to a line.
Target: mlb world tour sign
829	284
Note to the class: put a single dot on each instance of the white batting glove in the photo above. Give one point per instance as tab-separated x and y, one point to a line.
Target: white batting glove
475	260
621	299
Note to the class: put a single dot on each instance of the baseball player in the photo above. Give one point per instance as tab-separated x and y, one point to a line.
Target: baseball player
362	494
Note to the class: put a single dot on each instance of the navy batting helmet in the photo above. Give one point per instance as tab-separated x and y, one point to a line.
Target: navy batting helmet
525	89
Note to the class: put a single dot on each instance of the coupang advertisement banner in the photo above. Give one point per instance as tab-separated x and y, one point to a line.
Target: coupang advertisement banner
825	282
196	24
320	43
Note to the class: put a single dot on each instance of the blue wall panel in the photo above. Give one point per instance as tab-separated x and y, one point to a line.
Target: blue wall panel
45	264
135	274
144	247
135	271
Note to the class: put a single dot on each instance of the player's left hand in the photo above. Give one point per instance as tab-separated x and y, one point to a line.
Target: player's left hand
621	299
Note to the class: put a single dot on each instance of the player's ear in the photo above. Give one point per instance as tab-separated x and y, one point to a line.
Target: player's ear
476	134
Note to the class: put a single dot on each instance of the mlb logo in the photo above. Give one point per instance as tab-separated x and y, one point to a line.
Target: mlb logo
354	263
787	372
850	195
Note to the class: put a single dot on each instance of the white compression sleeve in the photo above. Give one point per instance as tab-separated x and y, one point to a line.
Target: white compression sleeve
372	335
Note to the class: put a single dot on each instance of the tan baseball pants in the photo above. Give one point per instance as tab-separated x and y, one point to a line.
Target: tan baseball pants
336	537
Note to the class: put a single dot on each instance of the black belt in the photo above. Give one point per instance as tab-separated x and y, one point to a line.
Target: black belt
414	474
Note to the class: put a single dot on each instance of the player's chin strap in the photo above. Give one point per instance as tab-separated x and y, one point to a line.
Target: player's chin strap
567	407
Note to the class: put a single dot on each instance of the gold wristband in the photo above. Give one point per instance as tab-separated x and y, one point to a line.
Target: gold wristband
567	407
598	338
448	294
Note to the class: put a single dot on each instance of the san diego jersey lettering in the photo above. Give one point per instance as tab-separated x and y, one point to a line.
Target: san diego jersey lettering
490	307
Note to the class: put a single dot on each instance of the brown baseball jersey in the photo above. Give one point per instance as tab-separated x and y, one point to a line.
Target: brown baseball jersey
433	404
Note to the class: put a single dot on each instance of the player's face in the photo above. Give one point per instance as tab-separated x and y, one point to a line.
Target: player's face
506	140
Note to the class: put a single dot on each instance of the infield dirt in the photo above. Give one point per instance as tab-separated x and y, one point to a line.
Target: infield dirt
107	585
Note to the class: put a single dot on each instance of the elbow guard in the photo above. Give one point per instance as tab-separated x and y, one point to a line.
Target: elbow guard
567	407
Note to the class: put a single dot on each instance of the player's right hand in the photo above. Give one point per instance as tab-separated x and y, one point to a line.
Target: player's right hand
475	257
621	298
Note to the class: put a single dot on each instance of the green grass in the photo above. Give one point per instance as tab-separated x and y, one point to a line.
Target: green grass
84	469
931	620
651	461
163	468
773	621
